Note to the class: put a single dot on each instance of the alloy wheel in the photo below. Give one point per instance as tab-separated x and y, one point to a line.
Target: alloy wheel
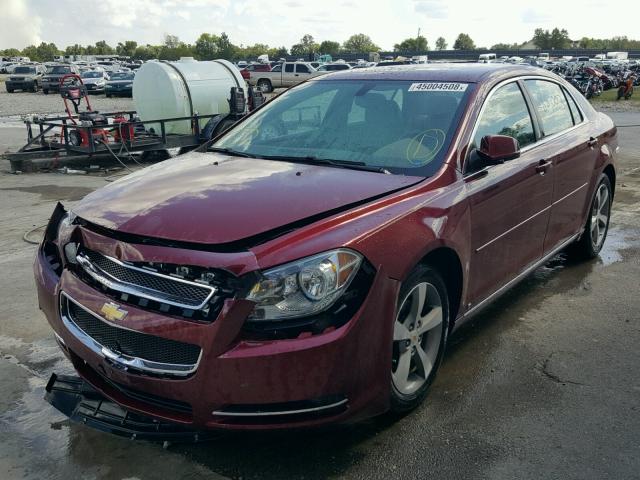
600	216
416	338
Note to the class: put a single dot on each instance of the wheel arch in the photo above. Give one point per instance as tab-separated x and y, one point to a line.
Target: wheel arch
610	172
447	262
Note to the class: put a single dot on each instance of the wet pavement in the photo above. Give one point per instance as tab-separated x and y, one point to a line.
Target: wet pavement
545	383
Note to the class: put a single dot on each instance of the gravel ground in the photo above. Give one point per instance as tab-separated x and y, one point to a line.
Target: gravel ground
26	103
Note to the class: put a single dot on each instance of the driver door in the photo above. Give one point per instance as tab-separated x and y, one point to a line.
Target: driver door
509	202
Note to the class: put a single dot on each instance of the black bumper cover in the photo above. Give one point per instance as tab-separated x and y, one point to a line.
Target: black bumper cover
79	401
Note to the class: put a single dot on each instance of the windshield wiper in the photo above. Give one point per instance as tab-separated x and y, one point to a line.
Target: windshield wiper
231	152
311	160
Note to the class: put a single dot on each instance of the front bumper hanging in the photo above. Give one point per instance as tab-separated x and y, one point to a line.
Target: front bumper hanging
79	401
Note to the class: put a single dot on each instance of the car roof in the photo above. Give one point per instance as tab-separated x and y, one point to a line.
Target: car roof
449	72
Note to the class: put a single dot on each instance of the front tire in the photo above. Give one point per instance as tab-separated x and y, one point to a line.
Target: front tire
597	225
45	91
420	334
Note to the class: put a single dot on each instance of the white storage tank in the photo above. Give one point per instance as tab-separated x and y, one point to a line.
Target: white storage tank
182	89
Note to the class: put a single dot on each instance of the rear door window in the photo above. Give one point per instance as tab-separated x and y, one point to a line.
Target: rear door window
289	67
506	113
551	106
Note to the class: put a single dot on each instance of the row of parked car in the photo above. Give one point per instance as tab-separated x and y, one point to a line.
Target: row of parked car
268	76
118	80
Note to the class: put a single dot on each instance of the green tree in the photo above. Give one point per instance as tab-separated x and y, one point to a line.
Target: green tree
307	46
418	44
329	47
10	52
276	53
103	48
441	43
505	46
147	52
74	50
360	43
126	49
171	41
226	49
544	39
206	47
254	51
464	42
31	51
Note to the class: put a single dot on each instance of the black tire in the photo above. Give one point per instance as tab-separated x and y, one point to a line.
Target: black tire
401	402
108	95
265	85
45	91
586	248
9	90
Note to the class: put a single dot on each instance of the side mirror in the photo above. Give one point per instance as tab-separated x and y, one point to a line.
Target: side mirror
495	149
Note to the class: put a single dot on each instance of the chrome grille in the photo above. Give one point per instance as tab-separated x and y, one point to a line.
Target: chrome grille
129	279
128	349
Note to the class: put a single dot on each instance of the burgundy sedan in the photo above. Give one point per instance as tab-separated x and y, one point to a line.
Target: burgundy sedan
309	265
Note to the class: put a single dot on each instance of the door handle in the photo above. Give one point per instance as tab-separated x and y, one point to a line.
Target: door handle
543	166
592	142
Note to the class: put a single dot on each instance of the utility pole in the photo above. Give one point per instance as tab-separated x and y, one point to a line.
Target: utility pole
418	32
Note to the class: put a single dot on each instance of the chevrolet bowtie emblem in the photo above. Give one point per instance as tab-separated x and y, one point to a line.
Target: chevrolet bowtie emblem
113	312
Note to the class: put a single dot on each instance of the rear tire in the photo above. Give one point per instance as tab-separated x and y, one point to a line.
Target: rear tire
9	90
420	335
45	91
597	225
265	85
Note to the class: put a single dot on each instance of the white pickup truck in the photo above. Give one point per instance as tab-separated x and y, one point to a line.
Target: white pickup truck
284	75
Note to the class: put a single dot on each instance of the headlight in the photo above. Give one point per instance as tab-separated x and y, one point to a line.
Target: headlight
65	229
304	287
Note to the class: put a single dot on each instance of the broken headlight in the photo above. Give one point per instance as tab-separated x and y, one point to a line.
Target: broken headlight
304	287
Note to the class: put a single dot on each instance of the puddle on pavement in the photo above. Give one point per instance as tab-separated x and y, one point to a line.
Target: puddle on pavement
617	241
54	192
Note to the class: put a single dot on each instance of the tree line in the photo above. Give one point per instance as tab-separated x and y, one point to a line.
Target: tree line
209	46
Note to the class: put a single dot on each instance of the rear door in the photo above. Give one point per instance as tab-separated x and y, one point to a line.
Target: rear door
302	72
567	144
509	202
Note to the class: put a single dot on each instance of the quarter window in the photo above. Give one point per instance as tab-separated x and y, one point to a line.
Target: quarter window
551	106
575	111
506	113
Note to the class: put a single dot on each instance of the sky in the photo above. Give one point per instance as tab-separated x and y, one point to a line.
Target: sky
284	22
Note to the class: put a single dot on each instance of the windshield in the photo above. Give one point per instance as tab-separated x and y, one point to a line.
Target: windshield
60	69
92	75
404	127
24	70
121	76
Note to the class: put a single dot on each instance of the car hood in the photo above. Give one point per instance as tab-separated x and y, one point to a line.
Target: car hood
211	198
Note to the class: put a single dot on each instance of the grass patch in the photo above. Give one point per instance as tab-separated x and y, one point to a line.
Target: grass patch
611	95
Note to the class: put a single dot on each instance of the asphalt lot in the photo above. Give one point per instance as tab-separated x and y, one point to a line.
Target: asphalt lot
545	384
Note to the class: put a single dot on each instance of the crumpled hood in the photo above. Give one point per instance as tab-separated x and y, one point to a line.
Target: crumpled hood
212	198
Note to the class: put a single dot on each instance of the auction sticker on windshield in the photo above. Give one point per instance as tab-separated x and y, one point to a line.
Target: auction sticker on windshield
438	87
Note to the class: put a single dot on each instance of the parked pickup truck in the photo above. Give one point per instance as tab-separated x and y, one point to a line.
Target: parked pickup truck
285	75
